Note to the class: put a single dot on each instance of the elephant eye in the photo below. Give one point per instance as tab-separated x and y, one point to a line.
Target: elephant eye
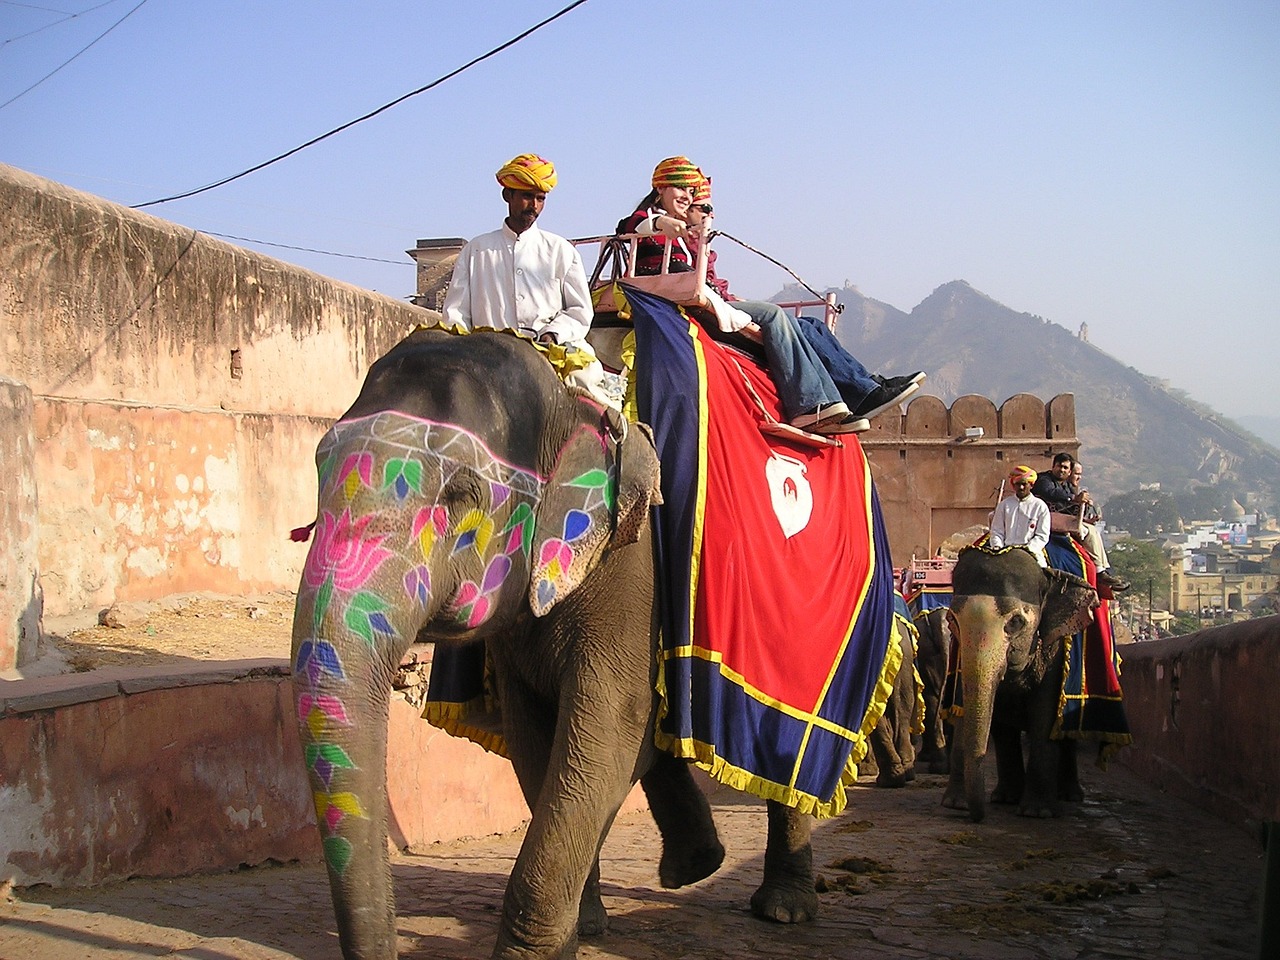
1016	623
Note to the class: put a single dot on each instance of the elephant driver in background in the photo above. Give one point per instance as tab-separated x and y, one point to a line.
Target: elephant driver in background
1055	489
528	280
1021	519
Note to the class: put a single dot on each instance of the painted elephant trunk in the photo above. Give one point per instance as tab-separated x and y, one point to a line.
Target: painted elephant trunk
982	667
338	725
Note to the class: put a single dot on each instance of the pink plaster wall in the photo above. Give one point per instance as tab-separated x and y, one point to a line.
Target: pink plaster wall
142	772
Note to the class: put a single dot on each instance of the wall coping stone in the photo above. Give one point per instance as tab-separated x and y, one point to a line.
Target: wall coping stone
49	693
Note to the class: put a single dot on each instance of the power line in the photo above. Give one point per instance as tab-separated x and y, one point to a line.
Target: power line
286	246
66	18
367	116
61	65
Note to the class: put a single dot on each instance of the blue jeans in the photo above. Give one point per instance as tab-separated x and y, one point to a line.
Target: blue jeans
794	366
851	378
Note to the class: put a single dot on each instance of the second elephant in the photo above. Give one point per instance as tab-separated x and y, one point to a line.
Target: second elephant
1010	617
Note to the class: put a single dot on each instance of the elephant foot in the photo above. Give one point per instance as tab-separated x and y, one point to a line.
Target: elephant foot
1003	795
681	866
953	797
1041	809
593	921
793	901
898	778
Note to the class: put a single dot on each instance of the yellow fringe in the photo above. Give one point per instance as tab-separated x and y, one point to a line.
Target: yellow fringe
451	718
705	756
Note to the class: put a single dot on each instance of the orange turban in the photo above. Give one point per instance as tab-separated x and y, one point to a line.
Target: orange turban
677	172
702	192
528	172
1023	472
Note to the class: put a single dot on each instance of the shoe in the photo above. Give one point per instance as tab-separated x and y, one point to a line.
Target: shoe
850	424
1113	583
889	394
821	416
917	378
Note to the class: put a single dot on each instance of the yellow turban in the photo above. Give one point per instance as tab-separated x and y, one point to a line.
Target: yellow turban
702	192
1022	472
528	172
676	172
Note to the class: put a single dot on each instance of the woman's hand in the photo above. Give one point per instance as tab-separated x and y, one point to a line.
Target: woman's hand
670	227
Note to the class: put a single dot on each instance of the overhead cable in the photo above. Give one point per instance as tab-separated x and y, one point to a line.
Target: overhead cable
286	246
82	50
367	116
67	17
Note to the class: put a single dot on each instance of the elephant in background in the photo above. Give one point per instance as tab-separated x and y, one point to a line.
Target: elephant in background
466	495
890	740
932	650
1010	617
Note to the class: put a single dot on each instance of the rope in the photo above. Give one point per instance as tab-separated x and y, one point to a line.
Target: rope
778	263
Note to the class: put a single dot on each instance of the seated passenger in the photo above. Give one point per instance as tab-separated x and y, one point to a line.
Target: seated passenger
1021	518
1055	489
521	278
865	393
809	398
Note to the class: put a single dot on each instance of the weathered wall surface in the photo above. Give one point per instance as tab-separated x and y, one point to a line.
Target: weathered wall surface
21	601
1201	709
150	772
934	481
119	773
180	385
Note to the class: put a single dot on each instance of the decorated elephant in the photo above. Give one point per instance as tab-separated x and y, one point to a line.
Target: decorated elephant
467	495
1009	617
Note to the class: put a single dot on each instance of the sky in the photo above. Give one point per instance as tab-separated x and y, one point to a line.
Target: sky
1112	163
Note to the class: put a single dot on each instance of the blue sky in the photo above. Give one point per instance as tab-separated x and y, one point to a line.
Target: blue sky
1116	163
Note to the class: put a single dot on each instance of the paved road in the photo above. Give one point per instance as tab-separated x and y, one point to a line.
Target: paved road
1129	873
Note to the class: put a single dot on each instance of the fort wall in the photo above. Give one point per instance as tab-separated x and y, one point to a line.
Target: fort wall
178	386
938	469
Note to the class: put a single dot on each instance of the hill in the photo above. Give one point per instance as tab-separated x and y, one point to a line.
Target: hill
1133	429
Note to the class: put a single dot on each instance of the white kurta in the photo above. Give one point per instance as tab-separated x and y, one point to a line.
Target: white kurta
1021	522
533	282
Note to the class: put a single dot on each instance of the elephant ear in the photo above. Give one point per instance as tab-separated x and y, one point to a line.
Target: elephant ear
1068	605
597	497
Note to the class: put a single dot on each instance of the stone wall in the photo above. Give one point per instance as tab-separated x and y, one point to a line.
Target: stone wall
1199	707
21	601
179	386
935	477
150	772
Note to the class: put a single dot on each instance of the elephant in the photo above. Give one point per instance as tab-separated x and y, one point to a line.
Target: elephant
932	651
1009	616
468	495
890	740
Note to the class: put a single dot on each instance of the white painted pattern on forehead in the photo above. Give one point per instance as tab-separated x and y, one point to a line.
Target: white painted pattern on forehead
451	447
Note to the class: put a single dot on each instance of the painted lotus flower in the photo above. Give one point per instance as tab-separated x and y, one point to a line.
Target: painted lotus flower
342	550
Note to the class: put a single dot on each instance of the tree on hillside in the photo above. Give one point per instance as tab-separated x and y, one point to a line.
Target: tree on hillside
1144	565
1144	513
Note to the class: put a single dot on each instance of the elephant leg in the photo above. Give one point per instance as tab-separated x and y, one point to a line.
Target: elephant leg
787	894
1010	774
1040	799
902	736
529	745
585	779
1069	772
691	848
891	771
953	797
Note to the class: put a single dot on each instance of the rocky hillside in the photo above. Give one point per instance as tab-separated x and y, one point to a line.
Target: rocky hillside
1132	428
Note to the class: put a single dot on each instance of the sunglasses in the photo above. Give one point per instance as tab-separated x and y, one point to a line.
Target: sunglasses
704	207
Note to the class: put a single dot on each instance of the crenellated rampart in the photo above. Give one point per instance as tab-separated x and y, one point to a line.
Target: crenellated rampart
938	469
